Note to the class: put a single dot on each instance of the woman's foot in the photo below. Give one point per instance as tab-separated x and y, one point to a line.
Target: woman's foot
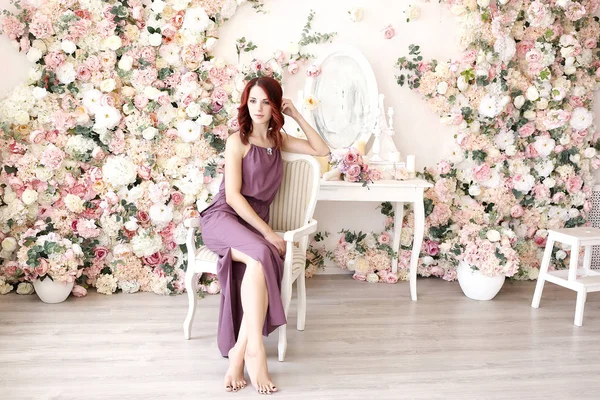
234	377
256	362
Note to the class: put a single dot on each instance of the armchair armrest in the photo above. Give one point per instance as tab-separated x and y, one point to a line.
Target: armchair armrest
293	236
192	222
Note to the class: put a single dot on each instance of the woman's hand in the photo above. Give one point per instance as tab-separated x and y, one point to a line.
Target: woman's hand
288	108
276	241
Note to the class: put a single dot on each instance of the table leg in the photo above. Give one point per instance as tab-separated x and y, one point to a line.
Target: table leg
398	217
419	210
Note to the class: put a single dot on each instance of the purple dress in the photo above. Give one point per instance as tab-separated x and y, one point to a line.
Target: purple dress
223	229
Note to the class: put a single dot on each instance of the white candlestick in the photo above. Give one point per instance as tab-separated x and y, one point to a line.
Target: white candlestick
410	163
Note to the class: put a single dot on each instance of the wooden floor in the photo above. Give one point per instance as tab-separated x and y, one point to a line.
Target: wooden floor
362	341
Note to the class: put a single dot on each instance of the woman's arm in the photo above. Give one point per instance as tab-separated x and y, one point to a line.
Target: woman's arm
234	153
314	146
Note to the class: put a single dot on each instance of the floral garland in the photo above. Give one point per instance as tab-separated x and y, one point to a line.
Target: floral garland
520	98
117	136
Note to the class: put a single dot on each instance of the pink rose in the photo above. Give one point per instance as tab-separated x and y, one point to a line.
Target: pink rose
142	217
153	260
359	277
431	247
352	173
313	71
98	154
443	167
144	172
469	57
516	211
79	291
177	198
42	269
389	32
574	184
482	172
527	130
540	241
293	67
590	43
390	277
436	270
384	238
41	26
351	157
213	288
100	252
558	197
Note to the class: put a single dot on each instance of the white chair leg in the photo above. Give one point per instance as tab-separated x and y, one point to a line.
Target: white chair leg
581	297
301	289
190	287
539	287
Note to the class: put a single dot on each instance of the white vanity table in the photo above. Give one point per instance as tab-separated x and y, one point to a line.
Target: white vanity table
398	193
350	109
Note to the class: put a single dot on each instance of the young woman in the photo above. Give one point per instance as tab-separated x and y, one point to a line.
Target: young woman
250	267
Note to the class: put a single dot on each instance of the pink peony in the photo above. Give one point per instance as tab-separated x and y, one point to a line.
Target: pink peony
482	172
293	67
79	291
389	32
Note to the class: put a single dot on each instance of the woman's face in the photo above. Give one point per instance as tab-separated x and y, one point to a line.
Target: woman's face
258	106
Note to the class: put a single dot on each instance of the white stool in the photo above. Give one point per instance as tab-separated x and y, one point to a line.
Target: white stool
581	280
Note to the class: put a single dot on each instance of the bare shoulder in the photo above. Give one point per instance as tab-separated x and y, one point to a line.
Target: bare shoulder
234	144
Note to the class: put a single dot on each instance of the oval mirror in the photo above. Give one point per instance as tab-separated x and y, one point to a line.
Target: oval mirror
347	94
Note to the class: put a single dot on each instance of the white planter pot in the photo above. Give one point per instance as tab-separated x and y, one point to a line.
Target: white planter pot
52	292
477	286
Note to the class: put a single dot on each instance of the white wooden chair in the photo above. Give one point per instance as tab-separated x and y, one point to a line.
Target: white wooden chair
581	280
291	216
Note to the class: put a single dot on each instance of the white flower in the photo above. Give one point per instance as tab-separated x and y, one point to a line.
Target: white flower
561	255
119	171
483	3
311	102
183	150
356	14
372	278
107	117
442	87
523	183
506	47
91	100
108	85
532	93
462	83
210	44
189	131
66	73
519	101
25	288
170	53
149	133
590	152
489	106
144	245
68	47
581	119
549	183
9	244
39	92
193	110
106	284
511	150
29	197
132	224
205	119
530	115
413	12
474	190
493	235
33	55
544	167
504	139
195	20
158	6
112	43
126	62
427	260
5	287
161	214
544	145
155	39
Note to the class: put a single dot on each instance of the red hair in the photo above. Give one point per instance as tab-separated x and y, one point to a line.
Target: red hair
274	95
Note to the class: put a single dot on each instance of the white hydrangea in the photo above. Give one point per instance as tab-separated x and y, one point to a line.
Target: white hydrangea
144	245
119	171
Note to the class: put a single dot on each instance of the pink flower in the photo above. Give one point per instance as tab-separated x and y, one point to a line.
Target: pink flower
41	26
359	277
79	291
153	260
293	67
482	172
100	252
313	71
12	27
527	130
469	57
52	157
177	198
389	32
353	173
221	132
384	238
432	248
55	59
390	277
351	157
516	211
142	217
574	184
590	43
214	288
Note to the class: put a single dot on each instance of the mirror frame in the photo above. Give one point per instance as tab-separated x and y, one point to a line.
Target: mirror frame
368	74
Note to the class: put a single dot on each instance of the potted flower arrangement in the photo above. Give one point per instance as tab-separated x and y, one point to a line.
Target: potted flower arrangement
486	257
50	261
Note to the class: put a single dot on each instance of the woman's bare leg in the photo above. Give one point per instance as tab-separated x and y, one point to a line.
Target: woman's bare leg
255	301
